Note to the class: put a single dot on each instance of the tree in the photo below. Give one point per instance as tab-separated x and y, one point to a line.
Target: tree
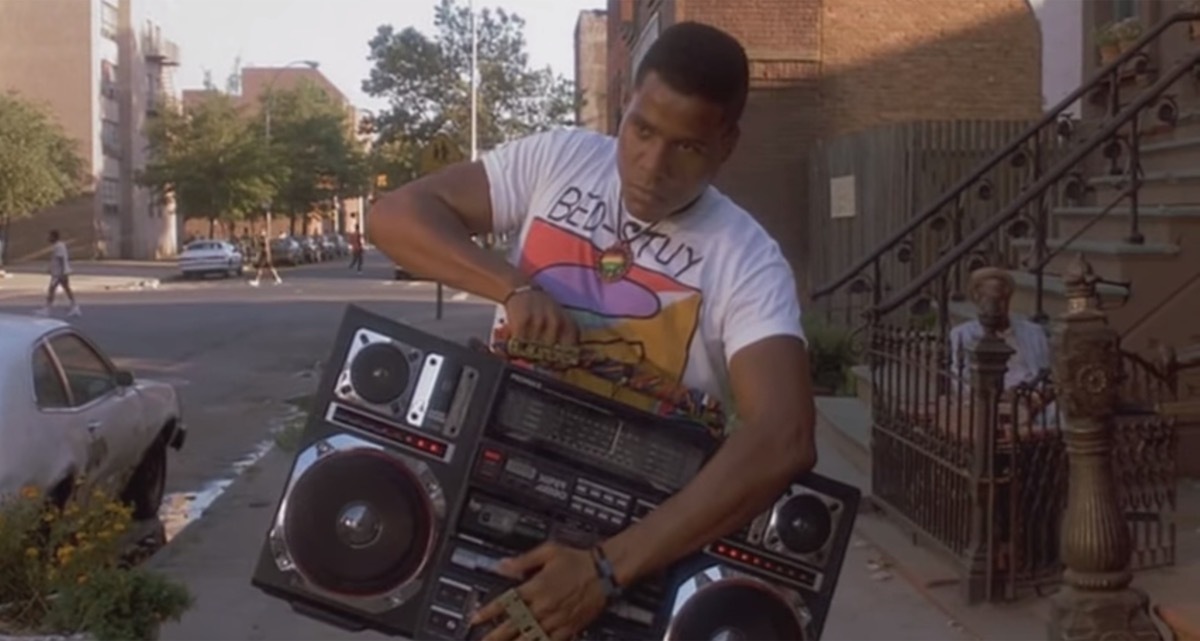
211	159
317	158
427	81
39	164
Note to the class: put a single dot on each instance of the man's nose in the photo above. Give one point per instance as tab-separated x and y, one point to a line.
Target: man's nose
656	162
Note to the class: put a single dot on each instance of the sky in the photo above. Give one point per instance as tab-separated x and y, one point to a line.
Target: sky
214	34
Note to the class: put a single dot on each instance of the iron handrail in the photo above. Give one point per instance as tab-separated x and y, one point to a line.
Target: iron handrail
1038	189
963	185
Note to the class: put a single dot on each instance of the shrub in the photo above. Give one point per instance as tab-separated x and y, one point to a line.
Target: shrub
61	570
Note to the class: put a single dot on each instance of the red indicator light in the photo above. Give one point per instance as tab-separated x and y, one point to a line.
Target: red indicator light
491	455
437	448
421	443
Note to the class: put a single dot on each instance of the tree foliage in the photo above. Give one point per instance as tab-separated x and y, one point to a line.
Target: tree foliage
215	157
211	158
39	164
427	81
316	156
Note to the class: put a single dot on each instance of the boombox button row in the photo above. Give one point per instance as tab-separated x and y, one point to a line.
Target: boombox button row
606	496
607	515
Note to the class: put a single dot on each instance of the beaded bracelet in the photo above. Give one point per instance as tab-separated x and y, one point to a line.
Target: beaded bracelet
606	573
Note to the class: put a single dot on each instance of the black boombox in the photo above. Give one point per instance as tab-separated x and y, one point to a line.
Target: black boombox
425	462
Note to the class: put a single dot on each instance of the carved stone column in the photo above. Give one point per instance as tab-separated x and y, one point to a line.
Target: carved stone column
1096	601
989	363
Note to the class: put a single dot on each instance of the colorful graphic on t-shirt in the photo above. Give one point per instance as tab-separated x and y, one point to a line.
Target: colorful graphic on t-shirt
636	331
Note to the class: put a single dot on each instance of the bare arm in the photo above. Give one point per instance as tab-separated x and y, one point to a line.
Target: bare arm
775	442
426	227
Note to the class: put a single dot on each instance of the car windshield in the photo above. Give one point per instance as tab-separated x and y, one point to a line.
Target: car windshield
203	246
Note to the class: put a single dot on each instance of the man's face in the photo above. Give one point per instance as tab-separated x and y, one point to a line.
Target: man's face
997	292
669	148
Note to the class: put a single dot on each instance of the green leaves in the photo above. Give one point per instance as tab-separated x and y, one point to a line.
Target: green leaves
427	81
39	164
218	162
211	158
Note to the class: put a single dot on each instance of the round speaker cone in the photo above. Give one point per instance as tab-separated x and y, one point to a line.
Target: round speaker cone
358	523
379	373
803	523
732	610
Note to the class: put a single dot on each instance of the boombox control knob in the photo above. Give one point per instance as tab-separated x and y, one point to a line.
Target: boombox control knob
358	526
803	523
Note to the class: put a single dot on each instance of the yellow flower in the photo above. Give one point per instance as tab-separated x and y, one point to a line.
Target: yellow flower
31	552
30	492
64	553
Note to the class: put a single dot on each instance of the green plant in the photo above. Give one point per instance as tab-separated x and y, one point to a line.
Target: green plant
831	354
1106	36
115	604
50	557
1128	30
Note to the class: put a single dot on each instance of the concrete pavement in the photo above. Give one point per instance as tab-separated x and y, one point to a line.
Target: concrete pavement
216	558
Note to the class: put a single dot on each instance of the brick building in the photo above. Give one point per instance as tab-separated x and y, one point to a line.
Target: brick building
591	78
823	68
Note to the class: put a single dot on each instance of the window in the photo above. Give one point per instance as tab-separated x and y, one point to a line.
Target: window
1124	9
48	385
110	21
108	80
110	192
110	139
645	39
88	376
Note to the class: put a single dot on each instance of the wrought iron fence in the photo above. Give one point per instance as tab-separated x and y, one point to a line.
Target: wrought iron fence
983	479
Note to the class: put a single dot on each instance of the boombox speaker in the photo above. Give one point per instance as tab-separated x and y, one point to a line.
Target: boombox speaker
381	467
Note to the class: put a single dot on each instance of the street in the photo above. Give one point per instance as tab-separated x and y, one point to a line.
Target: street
237	353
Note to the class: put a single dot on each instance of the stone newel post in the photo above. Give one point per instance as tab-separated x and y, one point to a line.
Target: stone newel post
1096	601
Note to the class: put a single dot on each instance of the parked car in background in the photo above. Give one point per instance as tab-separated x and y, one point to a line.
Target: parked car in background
203	257
72	419
286	251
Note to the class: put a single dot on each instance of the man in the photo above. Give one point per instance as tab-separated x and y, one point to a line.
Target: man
992	288
622	246
263	261
60	275
356	249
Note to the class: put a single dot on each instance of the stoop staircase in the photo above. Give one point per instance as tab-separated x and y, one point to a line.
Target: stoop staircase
1121	187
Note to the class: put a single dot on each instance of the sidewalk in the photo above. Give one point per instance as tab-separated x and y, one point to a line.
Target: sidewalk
24	283
216	557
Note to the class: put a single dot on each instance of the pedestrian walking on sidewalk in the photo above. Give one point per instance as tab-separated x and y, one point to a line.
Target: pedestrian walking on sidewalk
356	249
263	261
60	276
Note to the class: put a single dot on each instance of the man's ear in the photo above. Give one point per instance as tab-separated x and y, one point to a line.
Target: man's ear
729	141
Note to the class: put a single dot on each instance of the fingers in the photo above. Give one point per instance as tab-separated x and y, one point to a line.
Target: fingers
506	631
519	566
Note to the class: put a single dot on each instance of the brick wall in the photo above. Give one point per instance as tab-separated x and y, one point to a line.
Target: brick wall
828	67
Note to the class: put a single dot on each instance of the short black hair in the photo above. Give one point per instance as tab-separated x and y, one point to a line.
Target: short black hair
697	59
54	234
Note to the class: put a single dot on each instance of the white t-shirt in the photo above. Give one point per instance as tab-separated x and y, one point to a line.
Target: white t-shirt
59	253
704	283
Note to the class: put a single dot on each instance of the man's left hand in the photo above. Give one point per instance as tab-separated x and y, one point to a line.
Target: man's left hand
563	592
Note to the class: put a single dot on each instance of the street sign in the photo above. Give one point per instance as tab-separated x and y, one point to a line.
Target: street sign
440	152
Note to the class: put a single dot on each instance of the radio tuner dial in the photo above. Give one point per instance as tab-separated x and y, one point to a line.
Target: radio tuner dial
803	523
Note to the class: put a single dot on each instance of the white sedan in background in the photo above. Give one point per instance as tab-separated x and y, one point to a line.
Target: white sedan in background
203	257
69	417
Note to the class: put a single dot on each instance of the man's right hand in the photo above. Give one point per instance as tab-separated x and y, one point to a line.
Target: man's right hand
534	316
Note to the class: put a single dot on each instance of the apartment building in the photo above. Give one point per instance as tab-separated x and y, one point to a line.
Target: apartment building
99	67
591	63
